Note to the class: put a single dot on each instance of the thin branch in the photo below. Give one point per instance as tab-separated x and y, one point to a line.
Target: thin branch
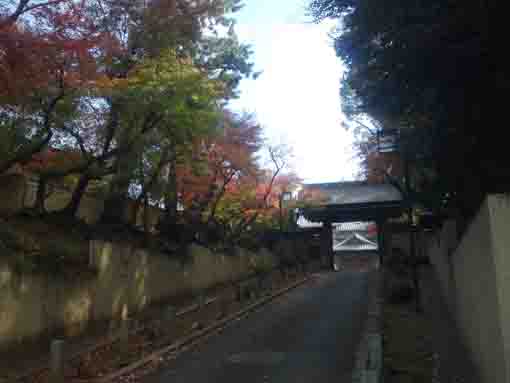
370	130
244	223
192	11
27	153
221	193
17	13
392	180
24	8
40	5
154	176
110	129
79	139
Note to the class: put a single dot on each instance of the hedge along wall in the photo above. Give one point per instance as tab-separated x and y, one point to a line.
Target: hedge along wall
125	281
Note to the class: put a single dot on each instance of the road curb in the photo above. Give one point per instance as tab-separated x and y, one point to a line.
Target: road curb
194	339
369	356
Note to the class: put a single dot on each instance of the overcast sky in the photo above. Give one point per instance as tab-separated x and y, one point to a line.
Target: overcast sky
297	97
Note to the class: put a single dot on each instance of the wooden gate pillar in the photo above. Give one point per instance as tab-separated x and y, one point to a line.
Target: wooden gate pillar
327	245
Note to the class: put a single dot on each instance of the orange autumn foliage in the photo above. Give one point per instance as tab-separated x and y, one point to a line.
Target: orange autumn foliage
60	50
227	158
52	160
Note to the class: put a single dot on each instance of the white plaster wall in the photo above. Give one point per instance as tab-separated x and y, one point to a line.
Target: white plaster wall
475	280
499	210
476	298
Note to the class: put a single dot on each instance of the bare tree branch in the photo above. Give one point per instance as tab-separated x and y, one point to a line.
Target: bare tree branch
226	181
23	8
279	162
26	153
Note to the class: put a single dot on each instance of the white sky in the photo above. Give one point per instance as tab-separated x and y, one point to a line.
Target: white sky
297	97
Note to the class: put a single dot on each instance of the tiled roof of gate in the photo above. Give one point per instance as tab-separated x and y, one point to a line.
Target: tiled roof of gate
339	193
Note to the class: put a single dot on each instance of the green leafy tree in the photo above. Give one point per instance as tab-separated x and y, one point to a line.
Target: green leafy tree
165	100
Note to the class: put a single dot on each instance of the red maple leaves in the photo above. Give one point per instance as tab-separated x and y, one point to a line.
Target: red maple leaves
49	44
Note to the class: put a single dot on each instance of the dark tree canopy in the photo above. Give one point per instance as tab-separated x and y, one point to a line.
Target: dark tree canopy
423	67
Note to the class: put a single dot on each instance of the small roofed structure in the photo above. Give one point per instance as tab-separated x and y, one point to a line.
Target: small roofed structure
350	201
349	192
330	203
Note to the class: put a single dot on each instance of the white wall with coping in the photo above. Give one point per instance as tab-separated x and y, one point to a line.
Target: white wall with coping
475	280
499	210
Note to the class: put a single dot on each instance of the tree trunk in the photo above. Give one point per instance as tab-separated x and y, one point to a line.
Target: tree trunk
73	205
41	195
115	207
146	215
25	153
169	219
116	204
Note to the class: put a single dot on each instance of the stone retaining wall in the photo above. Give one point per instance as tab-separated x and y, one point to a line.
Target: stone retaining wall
126	280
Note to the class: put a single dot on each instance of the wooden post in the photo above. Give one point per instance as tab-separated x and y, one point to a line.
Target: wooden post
245	290
381	241
416	282
375	352
201	300
260	284
331	255
240	292
326	241
223	303
57	361
124	334
170	314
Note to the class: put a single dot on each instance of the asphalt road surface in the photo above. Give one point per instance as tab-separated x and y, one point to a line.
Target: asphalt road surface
307	335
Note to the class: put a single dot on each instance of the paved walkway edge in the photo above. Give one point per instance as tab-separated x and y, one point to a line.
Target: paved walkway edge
194	339
369	356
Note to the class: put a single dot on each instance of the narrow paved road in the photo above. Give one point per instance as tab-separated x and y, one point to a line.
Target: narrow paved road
308	335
